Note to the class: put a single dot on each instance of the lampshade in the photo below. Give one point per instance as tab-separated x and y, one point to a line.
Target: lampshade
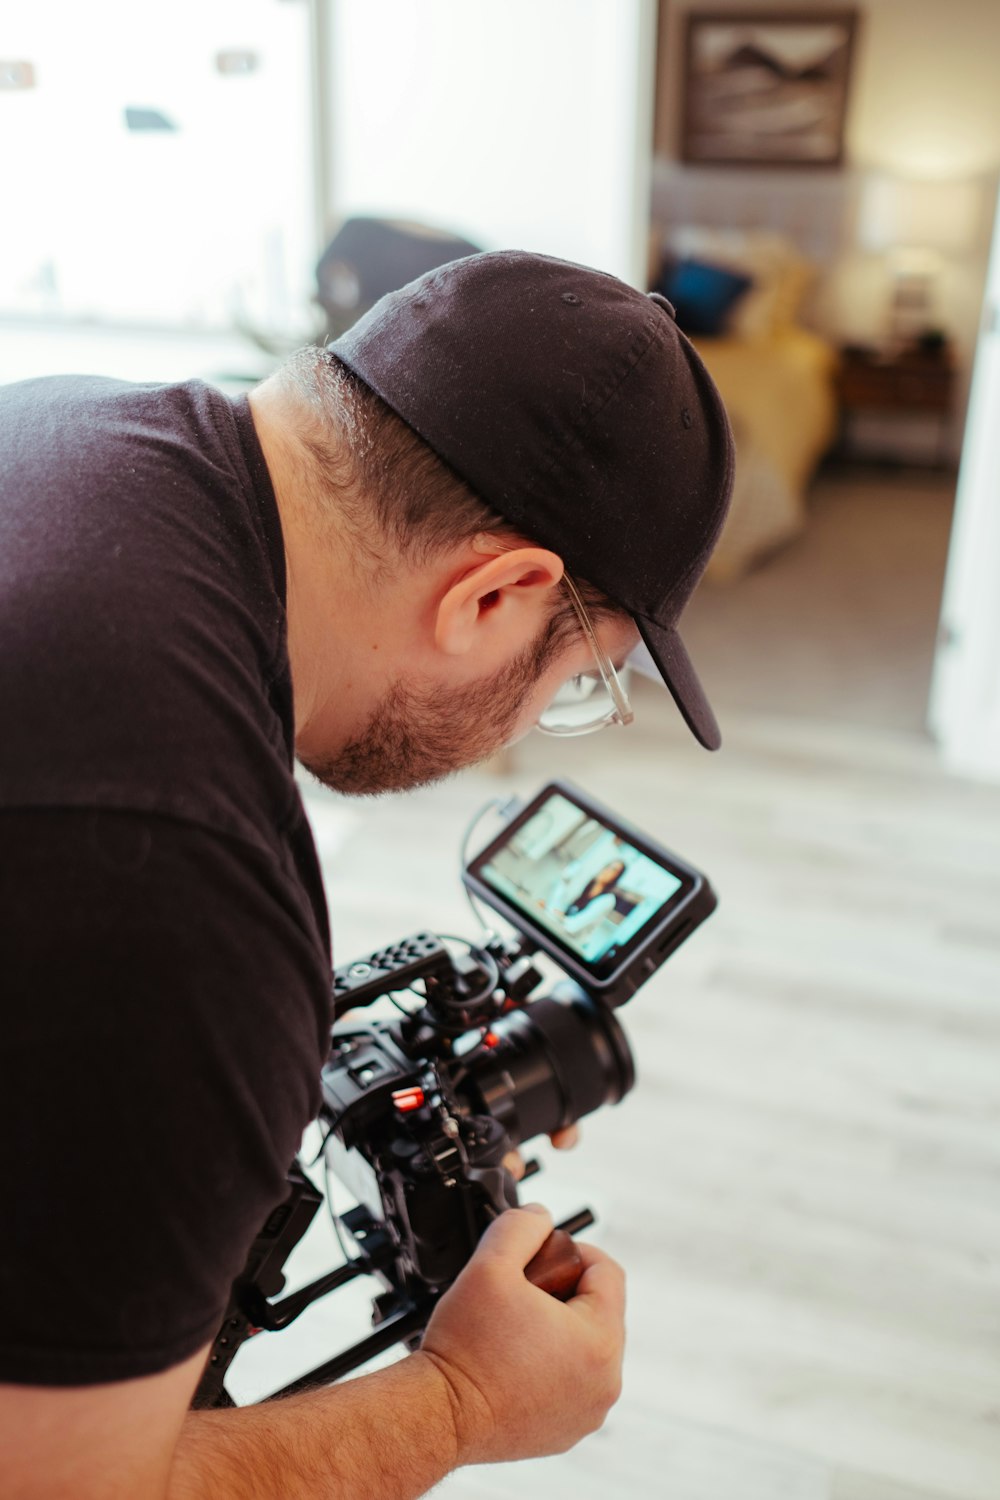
903	213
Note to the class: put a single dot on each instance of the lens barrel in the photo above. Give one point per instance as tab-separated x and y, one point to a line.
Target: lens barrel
556	1060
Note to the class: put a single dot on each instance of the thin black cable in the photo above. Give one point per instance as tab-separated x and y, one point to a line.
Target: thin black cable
501	804
442	1004
483	956
392	996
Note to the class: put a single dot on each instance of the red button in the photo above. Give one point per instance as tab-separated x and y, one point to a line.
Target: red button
406	1100
491	1039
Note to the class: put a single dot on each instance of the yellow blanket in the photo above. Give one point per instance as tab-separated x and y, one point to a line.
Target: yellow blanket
780	397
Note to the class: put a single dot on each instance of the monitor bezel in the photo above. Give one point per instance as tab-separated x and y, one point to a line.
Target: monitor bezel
657	938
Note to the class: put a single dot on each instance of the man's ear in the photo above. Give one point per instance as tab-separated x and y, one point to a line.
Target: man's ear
498	605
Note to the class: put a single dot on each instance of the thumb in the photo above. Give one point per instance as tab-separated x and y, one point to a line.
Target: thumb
516	1235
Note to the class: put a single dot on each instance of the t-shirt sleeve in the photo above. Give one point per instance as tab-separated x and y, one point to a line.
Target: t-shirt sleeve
164	1021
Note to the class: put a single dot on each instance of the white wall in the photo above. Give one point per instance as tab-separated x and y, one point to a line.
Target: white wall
965	701
525	125
926	99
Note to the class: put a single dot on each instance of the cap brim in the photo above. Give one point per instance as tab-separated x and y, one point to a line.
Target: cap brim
673	664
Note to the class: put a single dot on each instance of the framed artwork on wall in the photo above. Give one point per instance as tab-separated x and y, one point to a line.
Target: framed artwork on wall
766	88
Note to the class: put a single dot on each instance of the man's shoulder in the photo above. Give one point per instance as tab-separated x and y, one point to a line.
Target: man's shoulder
104	395
143	627
80	413
73	444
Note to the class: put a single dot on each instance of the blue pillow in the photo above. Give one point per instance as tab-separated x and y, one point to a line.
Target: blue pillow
702	294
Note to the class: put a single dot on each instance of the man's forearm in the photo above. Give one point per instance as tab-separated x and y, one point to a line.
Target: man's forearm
390	1435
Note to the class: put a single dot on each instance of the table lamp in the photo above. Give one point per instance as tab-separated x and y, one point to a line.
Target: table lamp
917	224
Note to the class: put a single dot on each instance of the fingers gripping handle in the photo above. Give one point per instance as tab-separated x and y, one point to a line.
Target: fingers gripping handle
558	1266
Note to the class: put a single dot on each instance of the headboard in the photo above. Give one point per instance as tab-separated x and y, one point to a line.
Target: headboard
816	210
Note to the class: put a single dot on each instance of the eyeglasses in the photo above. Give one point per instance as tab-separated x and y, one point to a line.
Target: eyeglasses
591	699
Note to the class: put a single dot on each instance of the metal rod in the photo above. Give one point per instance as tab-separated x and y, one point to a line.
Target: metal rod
393	1331
277	1315
576	1222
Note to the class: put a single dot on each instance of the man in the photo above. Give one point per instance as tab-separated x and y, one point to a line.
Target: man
391	559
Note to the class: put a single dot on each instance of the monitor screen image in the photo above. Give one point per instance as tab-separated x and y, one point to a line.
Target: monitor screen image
579	879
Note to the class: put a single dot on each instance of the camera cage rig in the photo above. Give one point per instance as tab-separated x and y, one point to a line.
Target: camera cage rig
427	1104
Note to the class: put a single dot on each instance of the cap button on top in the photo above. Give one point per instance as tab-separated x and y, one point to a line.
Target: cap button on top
661	301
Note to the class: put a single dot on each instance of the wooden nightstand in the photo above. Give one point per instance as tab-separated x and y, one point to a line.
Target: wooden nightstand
911	384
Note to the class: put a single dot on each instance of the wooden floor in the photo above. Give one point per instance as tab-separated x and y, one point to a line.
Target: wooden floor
804	1186
842	619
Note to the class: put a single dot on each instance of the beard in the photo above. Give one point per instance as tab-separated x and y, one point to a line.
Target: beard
418	736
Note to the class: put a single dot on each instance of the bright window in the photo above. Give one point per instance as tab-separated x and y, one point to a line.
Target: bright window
198	214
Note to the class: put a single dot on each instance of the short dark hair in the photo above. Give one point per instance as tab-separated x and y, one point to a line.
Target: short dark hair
359	447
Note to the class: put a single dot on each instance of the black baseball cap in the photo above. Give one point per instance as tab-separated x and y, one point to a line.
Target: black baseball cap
573	405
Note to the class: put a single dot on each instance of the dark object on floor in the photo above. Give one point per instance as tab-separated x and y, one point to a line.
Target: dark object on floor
368	257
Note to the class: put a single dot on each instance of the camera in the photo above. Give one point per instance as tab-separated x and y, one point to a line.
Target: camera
420	1110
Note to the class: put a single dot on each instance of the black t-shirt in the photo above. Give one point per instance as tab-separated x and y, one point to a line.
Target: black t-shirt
164	951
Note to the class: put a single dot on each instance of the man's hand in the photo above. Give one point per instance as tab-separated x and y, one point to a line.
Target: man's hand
528	1375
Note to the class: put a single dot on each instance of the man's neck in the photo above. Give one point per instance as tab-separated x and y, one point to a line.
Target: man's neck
320	588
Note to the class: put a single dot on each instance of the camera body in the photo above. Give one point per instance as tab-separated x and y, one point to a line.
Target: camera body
420	1110
421	1119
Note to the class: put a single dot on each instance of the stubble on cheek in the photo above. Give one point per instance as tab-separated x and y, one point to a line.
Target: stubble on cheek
414	738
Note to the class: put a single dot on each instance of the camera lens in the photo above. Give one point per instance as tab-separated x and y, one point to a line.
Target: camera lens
556	1060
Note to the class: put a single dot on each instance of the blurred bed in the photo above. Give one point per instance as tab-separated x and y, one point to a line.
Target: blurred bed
738	294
